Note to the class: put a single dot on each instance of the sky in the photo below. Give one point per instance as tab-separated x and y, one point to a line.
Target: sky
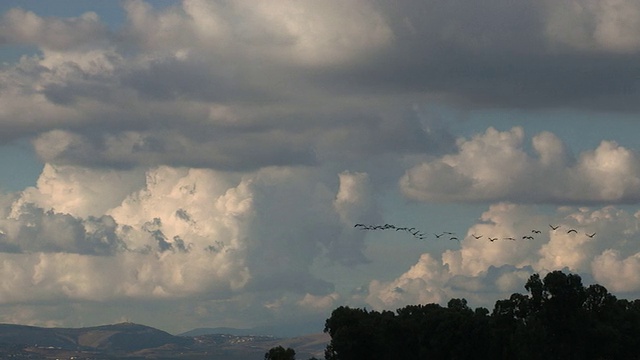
187	164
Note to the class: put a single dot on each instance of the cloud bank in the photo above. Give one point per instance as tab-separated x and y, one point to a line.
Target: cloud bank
496	166
483	271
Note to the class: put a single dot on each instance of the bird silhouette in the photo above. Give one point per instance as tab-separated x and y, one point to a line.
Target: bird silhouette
438	236
554	227
572	231
476	236
528	237
536	231
492	239
510	238
591	235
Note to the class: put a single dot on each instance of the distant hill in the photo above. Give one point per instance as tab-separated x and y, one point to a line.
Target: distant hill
134	341
117	338
221	330
290	330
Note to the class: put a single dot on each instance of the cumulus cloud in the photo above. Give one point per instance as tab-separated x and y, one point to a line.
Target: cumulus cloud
495	166
85	234
423	283
483	271
80	191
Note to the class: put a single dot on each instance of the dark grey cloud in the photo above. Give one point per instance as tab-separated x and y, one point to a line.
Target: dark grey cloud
37	230
492	54
171	88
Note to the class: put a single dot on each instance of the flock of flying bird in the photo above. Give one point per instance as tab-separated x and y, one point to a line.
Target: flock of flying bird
452	236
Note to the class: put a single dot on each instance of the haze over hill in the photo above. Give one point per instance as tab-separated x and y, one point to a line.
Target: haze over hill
129	340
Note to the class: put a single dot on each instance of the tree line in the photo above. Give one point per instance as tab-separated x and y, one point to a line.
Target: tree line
558	318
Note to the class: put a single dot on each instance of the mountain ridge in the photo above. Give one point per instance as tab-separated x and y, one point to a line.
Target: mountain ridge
136	341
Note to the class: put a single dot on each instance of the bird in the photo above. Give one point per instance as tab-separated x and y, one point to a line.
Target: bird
510	238
448	233
492	239
536	231
591	235
528	237
476	236
438	236
572	231
454	238
554	227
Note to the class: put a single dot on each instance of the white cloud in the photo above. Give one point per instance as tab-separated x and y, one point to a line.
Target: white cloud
495	166
484	271
323	303
423	283
85	234
354	201
80	191
618	272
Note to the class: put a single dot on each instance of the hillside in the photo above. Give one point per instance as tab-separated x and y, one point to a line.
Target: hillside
134	341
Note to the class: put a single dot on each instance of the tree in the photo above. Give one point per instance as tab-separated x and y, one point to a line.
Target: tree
280	353
558	319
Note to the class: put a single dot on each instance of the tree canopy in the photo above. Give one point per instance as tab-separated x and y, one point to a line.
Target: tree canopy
559	318
280	353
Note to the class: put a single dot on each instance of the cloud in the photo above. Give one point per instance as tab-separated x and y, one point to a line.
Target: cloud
550	249
421	284
80	191
612	25
184	85
483	271
305	32
25	27
30	229
620	273
84	234
495	166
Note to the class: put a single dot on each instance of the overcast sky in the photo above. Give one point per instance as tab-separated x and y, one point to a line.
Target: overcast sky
203	163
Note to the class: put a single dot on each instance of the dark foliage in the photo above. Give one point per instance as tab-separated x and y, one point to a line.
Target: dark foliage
280	353
559	318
